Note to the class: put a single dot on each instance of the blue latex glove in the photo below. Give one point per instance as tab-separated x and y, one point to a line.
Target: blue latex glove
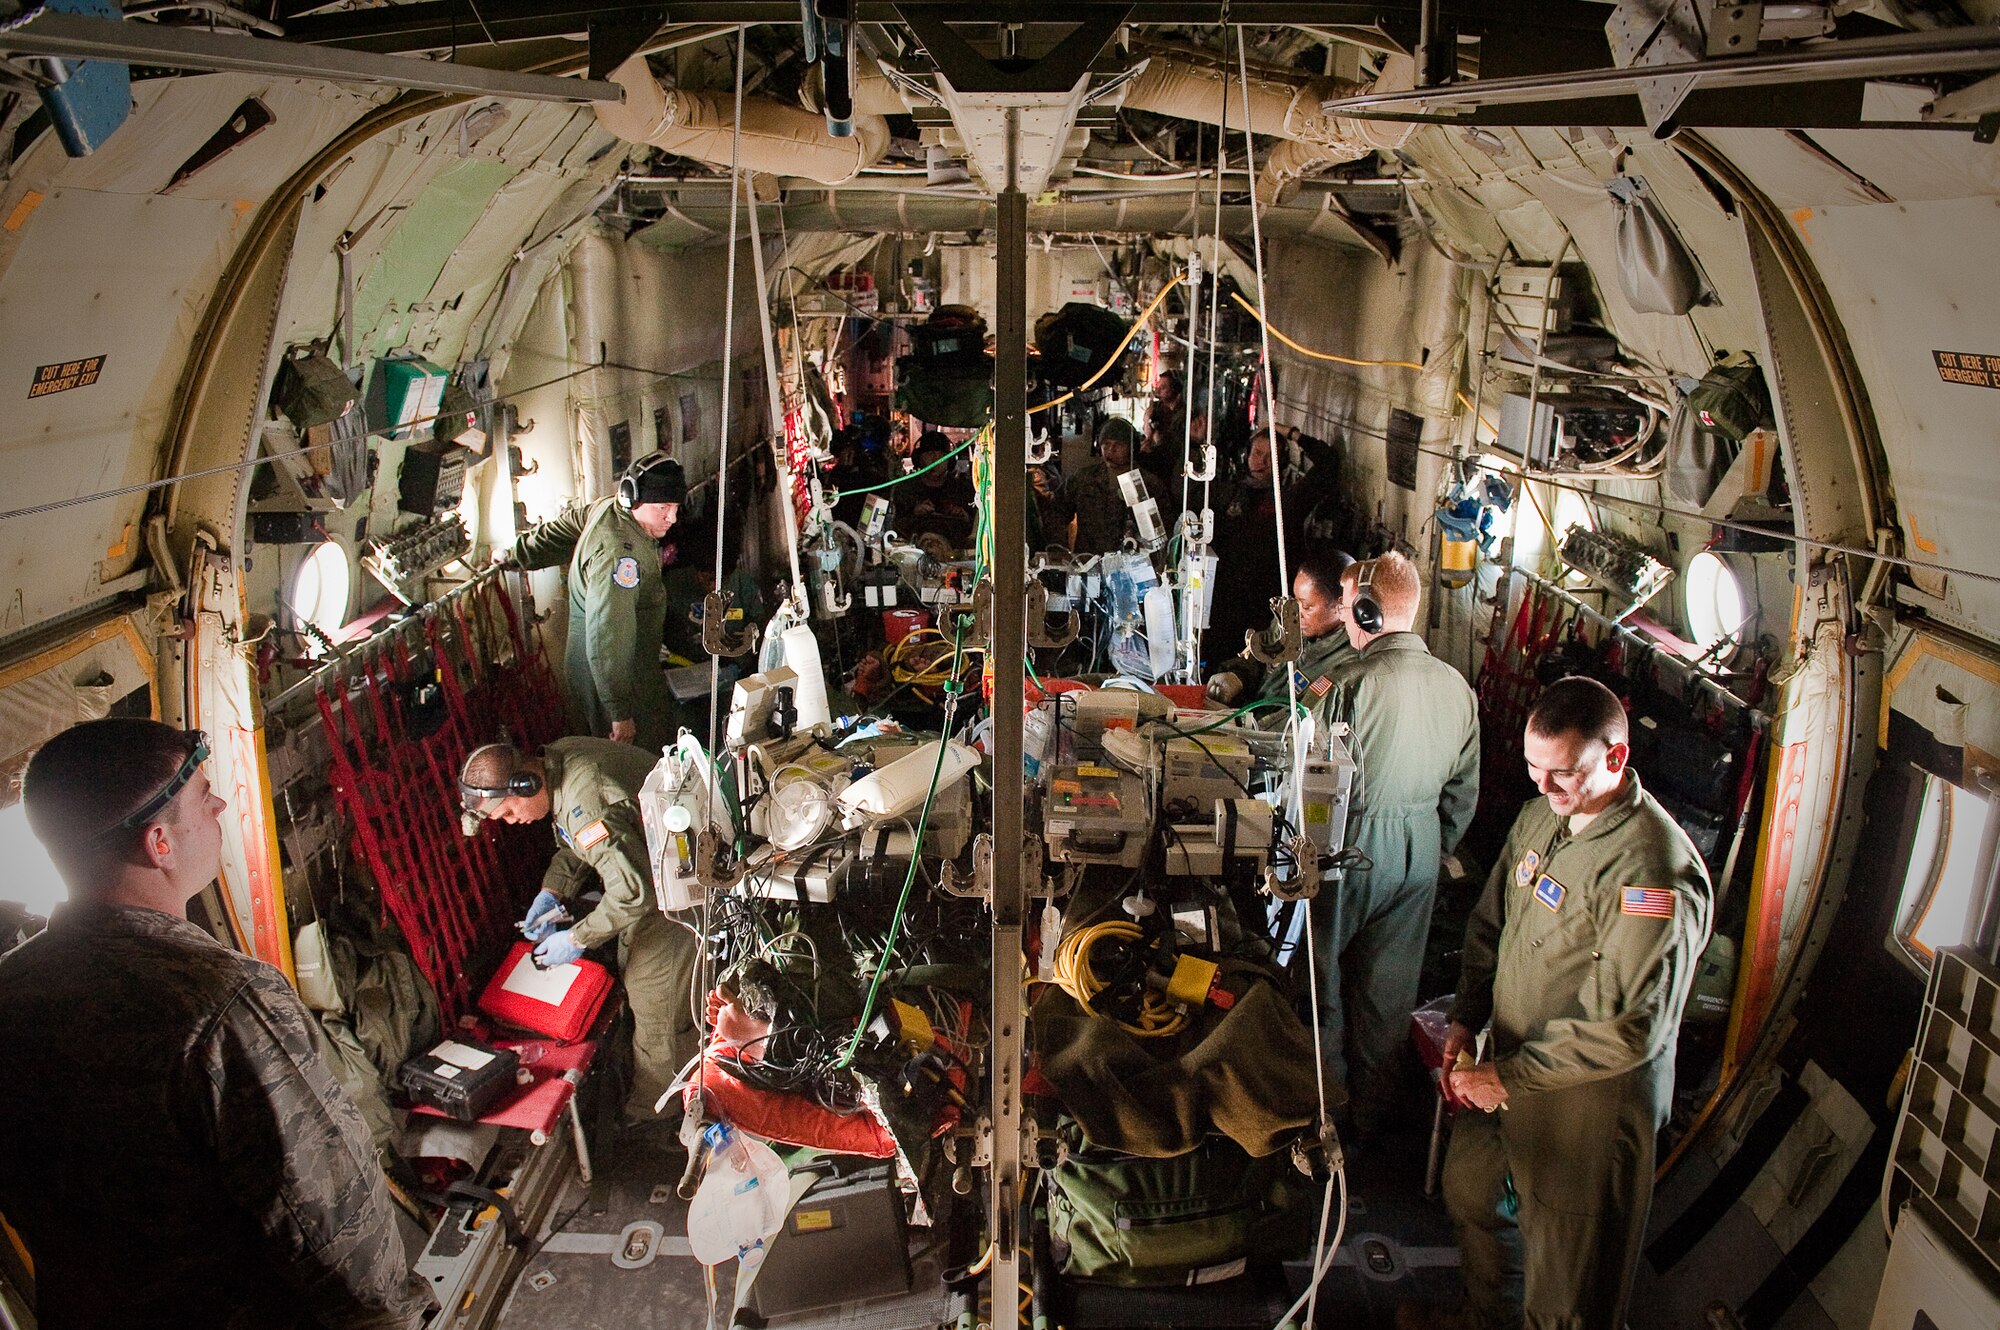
557	949
544	917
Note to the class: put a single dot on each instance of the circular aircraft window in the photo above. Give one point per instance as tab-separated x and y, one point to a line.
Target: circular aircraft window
321	586
1714	598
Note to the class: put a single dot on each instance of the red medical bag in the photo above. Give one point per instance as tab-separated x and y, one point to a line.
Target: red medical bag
560	1003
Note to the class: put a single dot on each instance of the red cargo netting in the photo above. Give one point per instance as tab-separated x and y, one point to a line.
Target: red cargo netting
410	712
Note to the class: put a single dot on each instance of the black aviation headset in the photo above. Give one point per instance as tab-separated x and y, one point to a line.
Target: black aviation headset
633	485
139	818
480	802
1365	610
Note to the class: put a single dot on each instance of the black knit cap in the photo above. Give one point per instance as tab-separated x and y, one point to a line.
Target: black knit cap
656	479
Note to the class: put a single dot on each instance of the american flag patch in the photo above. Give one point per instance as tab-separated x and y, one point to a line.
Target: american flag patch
1321	685
1652	902
592	834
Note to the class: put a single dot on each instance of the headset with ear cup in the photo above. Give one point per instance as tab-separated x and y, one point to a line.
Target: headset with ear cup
483	800
640	483
1365	610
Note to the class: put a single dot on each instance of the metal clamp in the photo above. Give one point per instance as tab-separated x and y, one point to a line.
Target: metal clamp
1197	527
1302	887
717	638
1040	448
1285	621
978	885
832	603
980	612
1039	633
708	855
1204	473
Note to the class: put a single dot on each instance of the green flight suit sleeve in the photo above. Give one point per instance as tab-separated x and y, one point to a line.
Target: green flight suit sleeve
549	543
1472	1006
611	624
1631	1011
1460	795
565	874
297	1159
621	863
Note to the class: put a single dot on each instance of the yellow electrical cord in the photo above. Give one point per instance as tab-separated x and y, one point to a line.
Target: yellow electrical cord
1072	973
1308	352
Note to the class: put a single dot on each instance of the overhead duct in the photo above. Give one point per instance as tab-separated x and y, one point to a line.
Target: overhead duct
1279	108
919	212
776	140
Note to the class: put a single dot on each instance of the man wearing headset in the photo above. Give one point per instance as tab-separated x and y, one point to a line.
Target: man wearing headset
590	788
1414	726
617	601
177	1151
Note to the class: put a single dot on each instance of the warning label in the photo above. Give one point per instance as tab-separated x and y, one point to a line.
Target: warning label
1968	367
65	375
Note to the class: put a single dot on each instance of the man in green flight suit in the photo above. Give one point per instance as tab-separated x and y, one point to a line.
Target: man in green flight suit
617	602
1415	736
1580	954
590	787
1322	623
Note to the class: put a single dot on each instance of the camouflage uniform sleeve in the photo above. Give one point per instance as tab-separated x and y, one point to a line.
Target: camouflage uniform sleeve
621	863
296	1158
549	543
611	621
1632	1002
1472	1006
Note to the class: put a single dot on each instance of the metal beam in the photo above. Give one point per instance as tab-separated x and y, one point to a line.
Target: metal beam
433	24
1904	54
72	37
1009	573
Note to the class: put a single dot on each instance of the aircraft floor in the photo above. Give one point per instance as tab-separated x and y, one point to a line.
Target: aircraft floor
1398	1248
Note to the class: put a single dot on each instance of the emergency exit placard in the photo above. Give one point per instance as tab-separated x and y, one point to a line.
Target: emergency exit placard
64	375
1968	367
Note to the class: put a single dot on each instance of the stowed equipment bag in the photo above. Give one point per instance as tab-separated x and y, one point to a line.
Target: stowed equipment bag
1193	1219
1077	341
1710	424
947	379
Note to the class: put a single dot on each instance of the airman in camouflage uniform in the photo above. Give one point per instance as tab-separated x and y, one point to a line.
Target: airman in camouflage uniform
1580	953
177	1152
617	602
590	788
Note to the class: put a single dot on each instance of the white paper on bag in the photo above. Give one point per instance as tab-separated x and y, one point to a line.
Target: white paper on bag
550	986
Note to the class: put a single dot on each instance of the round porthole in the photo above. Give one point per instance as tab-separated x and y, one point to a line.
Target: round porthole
1715	600
321	588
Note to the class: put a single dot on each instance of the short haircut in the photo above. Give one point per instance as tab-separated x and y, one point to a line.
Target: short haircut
1323	564
1119	428
489	767
87	779
1392	580
1576	705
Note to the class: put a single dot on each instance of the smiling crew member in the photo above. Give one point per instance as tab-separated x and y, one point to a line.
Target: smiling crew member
1415	739
1580	954
1323	625
617	602
178	1154
591	789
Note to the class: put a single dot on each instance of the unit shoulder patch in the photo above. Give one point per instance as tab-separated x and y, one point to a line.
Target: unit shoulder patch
1647	902
625	572
594	834
1524	871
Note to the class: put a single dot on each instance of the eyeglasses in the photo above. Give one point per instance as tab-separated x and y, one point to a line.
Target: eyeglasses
142	815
